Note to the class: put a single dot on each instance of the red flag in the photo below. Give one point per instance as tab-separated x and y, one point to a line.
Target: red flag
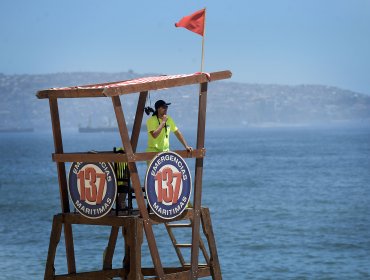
194	22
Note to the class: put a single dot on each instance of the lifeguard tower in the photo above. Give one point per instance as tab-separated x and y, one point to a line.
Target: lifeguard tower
133	223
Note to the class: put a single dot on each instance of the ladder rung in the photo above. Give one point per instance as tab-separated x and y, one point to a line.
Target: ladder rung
183	245
178	225
199	264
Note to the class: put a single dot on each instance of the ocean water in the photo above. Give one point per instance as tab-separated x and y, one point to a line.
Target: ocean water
286	203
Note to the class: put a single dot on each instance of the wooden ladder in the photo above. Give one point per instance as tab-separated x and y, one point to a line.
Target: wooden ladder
179	246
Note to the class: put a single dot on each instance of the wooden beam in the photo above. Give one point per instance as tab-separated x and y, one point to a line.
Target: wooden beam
58	147
172	273
134	236
89	157
109	252
170	83
70	93
137	187
75	92
115	157
177	273
138	119
198	181
61	170
208	232
56	231
107	220
94	275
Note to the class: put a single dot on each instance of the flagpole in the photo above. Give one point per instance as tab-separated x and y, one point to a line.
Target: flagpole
204	34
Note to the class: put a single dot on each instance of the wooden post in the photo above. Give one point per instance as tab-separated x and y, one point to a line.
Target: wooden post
108	257
134	140
58	145
56	231
137	187
208	232
198	180
138	120
133	235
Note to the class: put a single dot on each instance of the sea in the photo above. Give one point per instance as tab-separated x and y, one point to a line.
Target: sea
285	203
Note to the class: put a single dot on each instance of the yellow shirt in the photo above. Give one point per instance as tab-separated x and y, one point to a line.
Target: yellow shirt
162	142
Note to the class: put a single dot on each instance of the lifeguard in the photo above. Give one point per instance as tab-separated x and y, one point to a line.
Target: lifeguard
159	126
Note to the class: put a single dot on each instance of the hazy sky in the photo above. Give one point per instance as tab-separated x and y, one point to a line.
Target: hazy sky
260	41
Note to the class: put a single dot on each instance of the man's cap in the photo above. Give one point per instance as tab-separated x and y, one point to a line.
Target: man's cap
160	103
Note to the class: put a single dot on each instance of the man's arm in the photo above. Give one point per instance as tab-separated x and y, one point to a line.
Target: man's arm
156	132
182	140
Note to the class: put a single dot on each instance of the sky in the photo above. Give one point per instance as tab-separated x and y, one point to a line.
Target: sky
289	42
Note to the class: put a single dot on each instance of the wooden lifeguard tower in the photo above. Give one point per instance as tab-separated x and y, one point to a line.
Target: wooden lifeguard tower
133	225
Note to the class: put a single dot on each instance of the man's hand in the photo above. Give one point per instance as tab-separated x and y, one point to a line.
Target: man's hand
164	118
188	148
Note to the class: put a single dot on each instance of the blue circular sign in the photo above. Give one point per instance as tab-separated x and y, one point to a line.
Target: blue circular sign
168	185
92	188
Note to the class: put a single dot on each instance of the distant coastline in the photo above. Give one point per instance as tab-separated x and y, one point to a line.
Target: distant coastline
230	103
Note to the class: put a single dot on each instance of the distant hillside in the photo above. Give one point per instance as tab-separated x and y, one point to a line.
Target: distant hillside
229	104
